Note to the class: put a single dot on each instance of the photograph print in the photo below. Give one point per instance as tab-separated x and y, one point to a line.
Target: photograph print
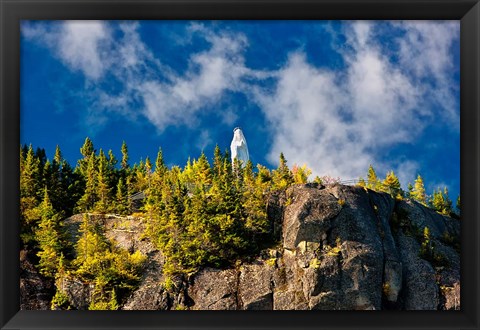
240	165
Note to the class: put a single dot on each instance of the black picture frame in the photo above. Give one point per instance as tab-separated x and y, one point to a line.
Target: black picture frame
12	11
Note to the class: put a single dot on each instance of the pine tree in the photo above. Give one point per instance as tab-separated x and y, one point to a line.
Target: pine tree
440	202
282	177
202	172
124	164
30	183
49	237
300	174
264	176
361	182
410	190
103	189
30	178
372	179
58	155
392	185
90	196
90	247
87	151
256	220
160	167
217	162
418	192
73	186
122	204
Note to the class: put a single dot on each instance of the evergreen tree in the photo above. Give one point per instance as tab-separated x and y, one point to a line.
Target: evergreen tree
124	164
282	177
202	172
264	176
300	174
90	196
440	202
49	237
58	155
372	179
418	192
410	190
87	152
392	185
30	179
256	220
30	182
113	173
73	186
160	167
103	190
122	201
90	247
41	155
458	205
361	182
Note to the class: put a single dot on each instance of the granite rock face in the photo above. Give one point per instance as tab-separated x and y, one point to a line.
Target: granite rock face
36	291
339	248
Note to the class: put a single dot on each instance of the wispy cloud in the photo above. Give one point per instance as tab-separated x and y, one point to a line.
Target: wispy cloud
339	122
81	45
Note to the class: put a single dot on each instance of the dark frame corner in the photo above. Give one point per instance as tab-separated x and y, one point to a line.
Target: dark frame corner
12	11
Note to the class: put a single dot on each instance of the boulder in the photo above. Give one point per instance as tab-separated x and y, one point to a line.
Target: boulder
256	286
214	289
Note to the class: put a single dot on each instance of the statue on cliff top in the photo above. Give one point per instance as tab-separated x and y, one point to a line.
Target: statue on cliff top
238	147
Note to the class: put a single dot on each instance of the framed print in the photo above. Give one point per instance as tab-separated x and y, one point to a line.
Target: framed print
239	164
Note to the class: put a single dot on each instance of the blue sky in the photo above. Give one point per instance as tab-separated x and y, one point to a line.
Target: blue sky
335	95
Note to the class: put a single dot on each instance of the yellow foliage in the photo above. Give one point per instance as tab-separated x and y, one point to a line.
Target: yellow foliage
315	263
272	262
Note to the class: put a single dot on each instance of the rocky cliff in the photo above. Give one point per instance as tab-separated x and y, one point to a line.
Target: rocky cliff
339	248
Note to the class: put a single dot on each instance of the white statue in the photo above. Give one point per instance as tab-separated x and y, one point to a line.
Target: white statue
238	147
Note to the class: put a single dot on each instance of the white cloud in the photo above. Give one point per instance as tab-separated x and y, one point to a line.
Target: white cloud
211	73
426	52
340	122
81	45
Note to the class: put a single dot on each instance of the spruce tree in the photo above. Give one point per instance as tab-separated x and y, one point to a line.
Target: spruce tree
256	220
30	179
87	151
282	177
361	182
58	155
49	237
30	183
103	190
372	179
392	185
301	174
217	162
90	247
73	186
418	192
122	204
160	167
90	196
124	164
410	190
440	202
